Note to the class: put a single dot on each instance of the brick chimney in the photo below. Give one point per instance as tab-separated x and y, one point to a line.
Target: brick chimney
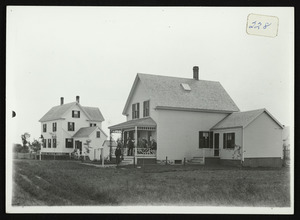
61	100
77	99
196	72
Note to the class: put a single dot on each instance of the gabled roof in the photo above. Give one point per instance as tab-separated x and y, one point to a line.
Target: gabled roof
168	92
107	143
141	122
241	119
84	132
87	131
94	113
57	112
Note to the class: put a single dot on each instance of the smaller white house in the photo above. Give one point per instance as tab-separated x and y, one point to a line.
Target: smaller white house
89	141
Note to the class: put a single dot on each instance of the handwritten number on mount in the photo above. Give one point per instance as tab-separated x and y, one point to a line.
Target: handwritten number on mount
266	25
259	24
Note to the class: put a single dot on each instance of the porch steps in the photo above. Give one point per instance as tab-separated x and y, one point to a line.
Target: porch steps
197	161
127	160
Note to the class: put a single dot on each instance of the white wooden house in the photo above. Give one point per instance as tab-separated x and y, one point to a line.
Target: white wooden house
68	127
184	116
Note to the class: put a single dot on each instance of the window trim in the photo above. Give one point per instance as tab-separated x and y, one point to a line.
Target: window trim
66	146
73	126
209	143
226	140
54	126
135	110
98	132
77	115
49	143
54	142
146	110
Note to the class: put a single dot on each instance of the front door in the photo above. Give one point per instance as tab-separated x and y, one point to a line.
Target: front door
216	151
78	145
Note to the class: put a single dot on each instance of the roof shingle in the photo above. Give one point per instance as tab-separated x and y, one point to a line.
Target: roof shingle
144	122
84	132
56	112
168	92
238	119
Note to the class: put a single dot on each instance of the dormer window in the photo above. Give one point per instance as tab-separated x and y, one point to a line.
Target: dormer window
93	124
135	110
146	108
75	114
186	86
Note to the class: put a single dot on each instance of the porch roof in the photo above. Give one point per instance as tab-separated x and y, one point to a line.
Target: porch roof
141	122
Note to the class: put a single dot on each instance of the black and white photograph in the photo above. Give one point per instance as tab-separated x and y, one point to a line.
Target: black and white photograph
149	110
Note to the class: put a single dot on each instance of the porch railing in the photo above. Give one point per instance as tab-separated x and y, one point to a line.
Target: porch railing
146	152
140	151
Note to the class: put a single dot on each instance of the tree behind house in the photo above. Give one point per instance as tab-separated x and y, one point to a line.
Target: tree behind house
25	142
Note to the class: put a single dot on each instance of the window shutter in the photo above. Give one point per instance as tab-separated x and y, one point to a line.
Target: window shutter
133	111
211	134
138	110
224	141
78	114
233	140
72	114
200	139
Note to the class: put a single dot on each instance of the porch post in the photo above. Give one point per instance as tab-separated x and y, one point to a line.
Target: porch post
122	145
135	144
102	156
110	147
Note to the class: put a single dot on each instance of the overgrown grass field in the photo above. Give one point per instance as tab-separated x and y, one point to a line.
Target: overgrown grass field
73	183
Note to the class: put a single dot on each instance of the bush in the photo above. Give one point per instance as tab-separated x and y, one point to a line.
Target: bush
17	148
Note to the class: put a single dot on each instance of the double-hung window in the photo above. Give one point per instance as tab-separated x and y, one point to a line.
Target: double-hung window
228	140
75	114
146	108
49	143
54	142
205	139
44	127
54	125
135	110
69	142
71	126
98	134
44	143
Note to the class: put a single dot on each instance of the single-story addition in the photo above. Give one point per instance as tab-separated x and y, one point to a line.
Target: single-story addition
252	138
190	119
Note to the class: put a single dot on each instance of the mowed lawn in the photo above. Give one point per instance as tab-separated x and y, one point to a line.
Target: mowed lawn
57	182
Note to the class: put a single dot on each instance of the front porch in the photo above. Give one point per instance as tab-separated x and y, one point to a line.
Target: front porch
142	132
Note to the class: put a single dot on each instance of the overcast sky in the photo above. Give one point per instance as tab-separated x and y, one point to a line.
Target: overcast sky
96	52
